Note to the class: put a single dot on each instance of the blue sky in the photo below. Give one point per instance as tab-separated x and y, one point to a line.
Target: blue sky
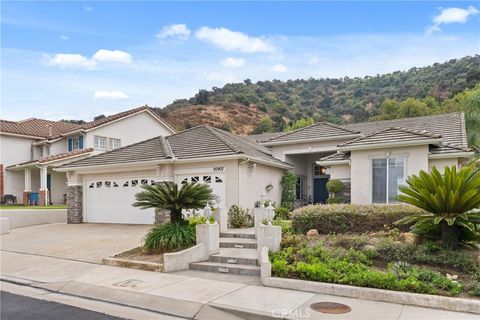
79	59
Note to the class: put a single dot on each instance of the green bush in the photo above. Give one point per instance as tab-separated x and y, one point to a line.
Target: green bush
239	218
285	224
335	200
341	218
169	237
334	186
289	182
283	213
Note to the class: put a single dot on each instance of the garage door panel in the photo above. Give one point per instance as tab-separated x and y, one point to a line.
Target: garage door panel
110	201
216	181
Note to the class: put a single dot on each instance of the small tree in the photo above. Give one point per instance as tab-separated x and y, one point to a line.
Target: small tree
168	196
334	187
448	200
289	183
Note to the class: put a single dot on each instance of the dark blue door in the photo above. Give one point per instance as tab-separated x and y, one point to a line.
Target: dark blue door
49	187
320	193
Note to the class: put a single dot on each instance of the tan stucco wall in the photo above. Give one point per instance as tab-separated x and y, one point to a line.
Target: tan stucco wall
253	185
59	187
340	171
361	167
130	130
440	164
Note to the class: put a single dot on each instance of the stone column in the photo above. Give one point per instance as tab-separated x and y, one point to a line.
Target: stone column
162	216
28	185
208	234
270	237
74	199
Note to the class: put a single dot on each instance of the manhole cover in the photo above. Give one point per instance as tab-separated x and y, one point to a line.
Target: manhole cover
330	307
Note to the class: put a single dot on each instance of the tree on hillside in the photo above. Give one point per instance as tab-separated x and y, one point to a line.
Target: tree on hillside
265	125
298	124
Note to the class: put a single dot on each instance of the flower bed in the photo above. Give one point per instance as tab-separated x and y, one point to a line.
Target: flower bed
378	260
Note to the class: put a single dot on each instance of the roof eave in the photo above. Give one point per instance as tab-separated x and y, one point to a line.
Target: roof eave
332	162
21	135
435	141
345	136
447	155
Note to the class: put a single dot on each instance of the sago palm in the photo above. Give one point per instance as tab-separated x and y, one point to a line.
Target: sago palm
448	200
169	196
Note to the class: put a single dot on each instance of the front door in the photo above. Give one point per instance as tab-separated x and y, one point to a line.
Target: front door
49	187
320	193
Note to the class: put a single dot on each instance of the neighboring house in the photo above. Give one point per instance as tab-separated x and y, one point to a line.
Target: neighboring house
371	158
31	148
102	188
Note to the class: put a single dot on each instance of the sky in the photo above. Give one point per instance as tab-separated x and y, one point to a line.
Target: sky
76	60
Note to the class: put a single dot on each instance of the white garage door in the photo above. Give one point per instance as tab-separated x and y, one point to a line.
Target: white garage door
110	201
216	181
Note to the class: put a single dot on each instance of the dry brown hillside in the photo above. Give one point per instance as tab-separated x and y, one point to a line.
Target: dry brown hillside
239	118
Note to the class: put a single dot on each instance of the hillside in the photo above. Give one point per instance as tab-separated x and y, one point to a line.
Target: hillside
241	106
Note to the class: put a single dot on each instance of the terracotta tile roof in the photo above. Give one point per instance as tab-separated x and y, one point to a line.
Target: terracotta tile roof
391	135
56	157
196	143
54	129
38	127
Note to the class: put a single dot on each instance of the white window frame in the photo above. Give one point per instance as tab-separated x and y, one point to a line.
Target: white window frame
111	142
387	195
98	146
75	143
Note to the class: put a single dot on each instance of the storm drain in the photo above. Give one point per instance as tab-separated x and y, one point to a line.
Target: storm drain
330	307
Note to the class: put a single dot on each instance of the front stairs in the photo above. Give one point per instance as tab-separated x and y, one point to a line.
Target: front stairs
237	255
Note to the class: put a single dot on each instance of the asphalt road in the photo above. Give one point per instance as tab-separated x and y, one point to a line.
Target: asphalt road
16	307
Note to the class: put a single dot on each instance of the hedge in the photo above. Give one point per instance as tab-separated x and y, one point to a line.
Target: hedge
354	218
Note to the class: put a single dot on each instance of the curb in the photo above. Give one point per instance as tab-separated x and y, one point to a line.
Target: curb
133	264
414	299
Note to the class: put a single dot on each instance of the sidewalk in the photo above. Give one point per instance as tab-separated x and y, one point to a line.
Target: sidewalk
192	297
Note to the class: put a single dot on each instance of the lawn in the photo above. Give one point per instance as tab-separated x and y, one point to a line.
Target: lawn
22	207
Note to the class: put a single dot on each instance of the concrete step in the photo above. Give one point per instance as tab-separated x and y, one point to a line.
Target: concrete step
239	243
240	269
235	256
239	233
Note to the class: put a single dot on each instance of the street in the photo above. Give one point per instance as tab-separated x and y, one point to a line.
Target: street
17	307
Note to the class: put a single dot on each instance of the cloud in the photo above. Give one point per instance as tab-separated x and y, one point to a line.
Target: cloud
176	31
87	8
64	37
232	62
109	95
278	68
313	60
233	40
70	60
112	56
451	15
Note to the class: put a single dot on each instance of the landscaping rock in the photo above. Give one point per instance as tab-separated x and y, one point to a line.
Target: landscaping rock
409	238
313	233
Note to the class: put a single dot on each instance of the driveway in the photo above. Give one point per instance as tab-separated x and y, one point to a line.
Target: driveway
83	242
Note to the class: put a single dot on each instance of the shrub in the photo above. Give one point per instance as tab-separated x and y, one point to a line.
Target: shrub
447	199
173	197
169	237
239	218
334	186
341	218
335	200
194	220
282	213
289	182
285	224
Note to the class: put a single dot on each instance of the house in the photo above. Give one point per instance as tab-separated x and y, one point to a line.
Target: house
373	158
102	188
32	148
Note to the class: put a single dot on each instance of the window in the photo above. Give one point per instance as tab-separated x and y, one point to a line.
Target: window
75	143
114	143
388	175
300	188
100	143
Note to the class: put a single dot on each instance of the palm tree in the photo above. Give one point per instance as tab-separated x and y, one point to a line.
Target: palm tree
168	195
448	200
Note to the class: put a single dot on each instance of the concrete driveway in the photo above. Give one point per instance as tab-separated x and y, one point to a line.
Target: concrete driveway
82	242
